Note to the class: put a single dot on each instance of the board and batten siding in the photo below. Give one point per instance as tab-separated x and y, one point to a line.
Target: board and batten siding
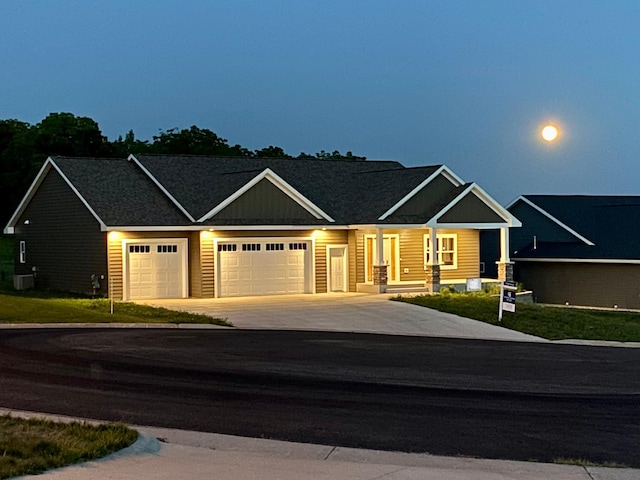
583	284
411	243
63	239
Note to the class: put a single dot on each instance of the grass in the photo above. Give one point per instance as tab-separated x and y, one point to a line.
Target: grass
29	309
553	323
581	462
32	446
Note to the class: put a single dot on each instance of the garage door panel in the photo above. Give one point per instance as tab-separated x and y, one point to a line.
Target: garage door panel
156	270
263	268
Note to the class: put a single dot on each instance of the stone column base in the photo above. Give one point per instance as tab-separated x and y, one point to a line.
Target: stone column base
432	278
505	271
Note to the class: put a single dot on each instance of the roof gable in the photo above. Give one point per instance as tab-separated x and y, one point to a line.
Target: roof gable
601	226
266	199
470	209
48	165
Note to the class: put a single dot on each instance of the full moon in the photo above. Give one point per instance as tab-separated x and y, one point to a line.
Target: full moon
549	133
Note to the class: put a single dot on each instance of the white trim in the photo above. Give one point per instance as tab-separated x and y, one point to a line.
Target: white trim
276	180
44	170
345	261
449	175
184	242
396	253
552	218
132	158
23	251
311	257
579	260
474	189
204	228
438	257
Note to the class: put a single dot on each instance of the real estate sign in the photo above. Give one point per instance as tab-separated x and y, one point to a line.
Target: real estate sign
507	298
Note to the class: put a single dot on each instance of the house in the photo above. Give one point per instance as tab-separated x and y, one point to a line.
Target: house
578	249
153	226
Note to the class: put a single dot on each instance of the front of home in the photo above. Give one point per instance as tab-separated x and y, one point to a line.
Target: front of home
186	226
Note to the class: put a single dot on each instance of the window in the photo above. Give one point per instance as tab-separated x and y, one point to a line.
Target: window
139	249
447	247
275	246
250	247
167	249
297	246
23	251
227	247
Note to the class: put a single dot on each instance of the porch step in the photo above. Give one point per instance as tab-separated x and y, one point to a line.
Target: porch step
406	288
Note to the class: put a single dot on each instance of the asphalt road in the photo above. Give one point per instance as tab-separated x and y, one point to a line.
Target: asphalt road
522	401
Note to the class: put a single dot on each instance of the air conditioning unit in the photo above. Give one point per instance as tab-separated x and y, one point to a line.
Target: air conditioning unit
23	282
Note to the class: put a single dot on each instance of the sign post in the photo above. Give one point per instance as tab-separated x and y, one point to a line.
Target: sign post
507	298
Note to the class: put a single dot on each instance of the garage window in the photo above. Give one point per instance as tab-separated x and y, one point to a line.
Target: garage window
250	247
167	249
275	246
298	246
139	249
227	247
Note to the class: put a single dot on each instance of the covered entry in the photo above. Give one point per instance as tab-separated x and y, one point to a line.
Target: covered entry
263	266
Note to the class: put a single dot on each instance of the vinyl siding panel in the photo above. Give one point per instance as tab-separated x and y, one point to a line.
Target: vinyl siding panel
595	285
207	257
471	210
63	239
264	201
535	223
412	254
324	238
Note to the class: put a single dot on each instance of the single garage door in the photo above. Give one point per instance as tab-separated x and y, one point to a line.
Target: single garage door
156	269
263	267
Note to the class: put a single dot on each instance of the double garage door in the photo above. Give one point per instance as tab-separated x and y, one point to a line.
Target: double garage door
263	267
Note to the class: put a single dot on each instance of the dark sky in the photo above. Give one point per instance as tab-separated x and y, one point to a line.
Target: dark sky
464	83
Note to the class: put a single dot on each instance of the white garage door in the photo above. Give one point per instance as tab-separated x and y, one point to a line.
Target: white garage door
263	267
156	269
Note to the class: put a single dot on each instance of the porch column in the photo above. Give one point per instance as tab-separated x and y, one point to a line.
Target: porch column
379	267
432	268
505	265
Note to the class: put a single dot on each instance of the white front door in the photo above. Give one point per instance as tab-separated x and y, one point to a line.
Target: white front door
337	269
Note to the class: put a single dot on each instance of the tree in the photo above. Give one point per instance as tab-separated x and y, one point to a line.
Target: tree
195	141
271	152
130	144
67	135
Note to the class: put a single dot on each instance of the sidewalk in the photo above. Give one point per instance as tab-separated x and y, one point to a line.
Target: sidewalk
182	454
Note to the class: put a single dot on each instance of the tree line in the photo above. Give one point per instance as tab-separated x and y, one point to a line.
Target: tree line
25	147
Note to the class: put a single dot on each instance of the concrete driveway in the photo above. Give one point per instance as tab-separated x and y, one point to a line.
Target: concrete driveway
341	312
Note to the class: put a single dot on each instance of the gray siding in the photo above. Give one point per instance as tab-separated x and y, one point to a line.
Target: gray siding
535	223
63	240
427	200
596	285
471	210
264	201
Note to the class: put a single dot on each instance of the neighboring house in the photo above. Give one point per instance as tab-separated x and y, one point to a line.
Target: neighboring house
189	226
580	250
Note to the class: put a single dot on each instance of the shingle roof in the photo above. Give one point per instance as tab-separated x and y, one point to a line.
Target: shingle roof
349	191
612	223
119	192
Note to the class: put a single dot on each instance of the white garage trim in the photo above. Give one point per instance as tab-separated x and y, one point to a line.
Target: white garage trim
183	252
309	260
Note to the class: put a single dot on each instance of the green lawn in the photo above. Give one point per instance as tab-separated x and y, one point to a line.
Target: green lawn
6	261
32	446
553	323
30	309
